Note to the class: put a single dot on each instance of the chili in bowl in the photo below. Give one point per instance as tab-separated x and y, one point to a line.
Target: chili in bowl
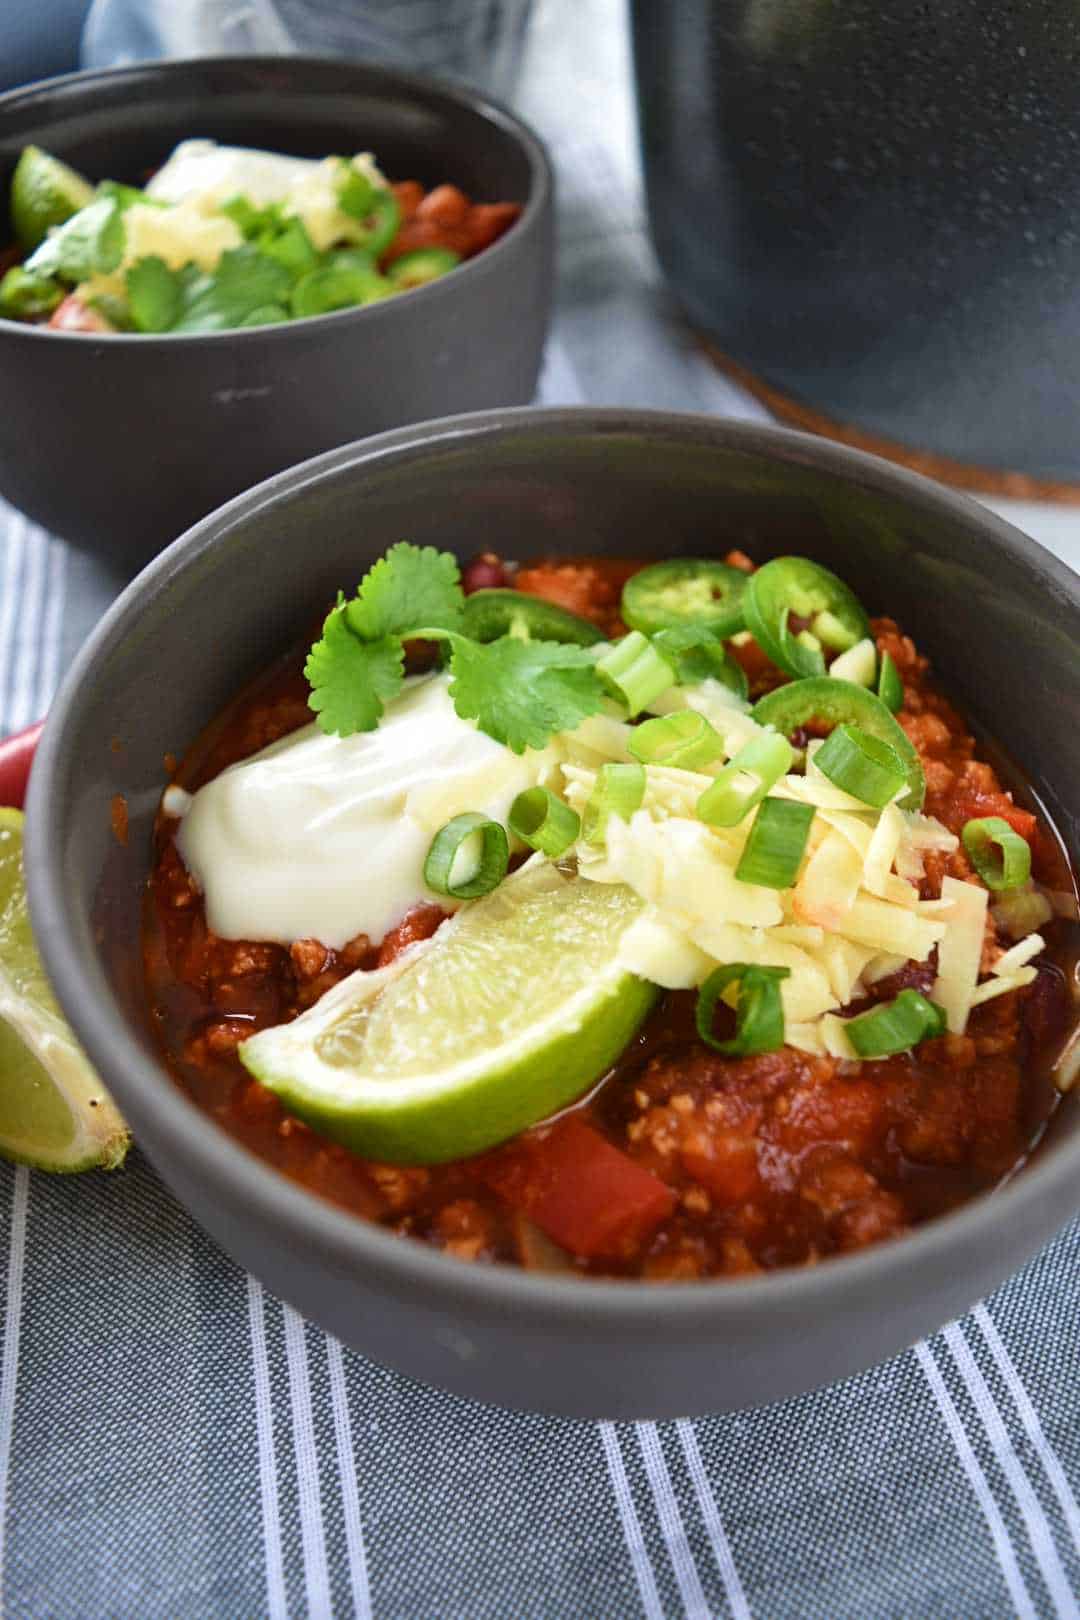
644	928
204	279
823	866
226	237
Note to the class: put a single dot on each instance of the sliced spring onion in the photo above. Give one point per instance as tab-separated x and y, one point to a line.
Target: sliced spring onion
776	845
858	664
890	688
450	849
895	1026
826	702
634	672
544	822
684	740
618	792
759	1013
697	654
745	780
997	852
861	765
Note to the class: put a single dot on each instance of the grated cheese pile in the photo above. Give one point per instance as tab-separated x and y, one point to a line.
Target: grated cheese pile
852	917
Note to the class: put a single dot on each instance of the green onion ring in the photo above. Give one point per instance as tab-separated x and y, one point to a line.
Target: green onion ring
445	846
759	1015
683	740
544	822
697	654
745	780
862	765
895	1026
634	672
776	845
997	852
618	792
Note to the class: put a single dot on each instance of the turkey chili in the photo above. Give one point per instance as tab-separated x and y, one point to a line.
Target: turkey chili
828	998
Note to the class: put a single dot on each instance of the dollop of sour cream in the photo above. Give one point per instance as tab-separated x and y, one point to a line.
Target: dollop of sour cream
203	169
201	176
321	837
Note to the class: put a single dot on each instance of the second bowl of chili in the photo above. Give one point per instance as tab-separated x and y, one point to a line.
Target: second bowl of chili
155	428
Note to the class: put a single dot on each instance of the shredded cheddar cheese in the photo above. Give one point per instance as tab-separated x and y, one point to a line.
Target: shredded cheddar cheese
853	916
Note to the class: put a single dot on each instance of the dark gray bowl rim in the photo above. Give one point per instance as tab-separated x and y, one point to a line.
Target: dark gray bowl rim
541	189
349	1240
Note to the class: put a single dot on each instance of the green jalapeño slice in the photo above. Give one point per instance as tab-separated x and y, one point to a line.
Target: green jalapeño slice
822	703
498	611
833	615
686	590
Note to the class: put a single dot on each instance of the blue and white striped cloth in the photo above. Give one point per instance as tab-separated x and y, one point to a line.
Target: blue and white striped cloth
176	1442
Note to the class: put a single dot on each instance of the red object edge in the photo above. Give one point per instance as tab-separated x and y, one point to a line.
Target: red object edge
16	758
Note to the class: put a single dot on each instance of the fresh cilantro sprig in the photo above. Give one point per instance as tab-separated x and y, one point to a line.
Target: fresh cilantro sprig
90	243
523	692
519	692
351	679
409	587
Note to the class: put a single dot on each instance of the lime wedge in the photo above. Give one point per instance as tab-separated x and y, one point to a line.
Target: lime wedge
54	1112
44	192
508	1014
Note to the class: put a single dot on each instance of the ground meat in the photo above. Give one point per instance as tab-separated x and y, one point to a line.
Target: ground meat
592	590
464	1228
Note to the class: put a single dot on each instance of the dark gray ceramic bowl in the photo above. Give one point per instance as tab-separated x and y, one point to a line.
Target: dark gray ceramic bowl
1000	617
120	442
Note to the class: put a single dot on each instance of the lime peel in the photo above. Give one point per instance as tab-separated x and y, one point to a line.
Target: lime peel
507	1015
54	1112
44	192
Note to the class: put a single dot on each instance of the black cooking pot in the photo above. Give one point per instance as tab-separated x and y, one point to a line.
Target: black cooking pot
871	205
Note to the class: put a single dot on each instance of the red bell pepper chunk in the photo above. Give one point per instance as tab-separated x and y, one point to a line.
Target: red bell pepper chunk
580	1190
974	806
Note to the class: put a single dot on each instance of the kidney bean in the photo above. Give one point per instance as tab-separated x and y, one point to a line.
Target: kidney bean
484	573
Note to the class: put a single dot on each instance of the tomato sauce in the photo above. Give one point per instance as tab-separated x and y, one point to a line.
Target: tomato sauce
681	1163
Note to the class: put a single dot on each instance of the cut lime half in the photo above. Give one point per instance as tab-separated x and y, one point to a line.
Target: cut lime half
54	1112
508	1014
44	192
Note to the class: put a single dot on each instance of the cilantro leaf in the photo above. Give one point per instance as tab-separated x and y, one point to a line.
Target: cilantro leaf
91	241
253	222
242	281
154	294
412	586
352	679
126	197
291	246
522	692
